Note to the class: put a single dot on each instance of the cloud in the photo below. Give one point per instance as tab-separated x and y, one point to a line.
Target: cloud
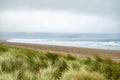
56	21
94	16
87	6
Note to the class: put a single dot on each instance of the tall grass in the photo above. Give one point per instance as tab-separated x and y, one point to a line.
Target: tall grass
25	64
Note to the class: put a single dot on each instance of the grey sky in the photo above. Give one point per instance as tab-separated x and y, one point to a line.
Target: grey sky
73	16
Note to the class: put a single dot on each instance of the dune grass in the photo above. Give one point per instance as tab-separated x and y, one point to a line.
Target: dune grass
25	64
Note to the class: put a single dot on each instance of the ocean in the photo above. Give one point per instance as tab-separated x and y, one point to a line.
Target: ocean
98	41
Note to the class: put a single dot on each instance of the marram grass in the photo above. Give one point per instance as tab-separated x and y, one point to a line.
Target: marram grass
26	64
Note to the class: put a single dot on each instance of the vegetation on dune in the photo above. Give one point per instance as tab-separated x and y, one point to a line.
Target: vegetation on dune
26	64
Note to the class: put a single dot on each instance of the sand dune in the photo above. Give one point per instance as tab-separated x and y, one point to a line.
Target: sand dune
75	51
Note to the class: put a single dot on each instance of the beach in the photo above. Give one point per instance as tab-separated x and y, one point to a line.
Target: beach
78	52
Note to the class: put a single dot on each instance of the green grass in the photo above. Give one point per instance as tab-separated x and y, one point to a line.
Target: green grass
25	64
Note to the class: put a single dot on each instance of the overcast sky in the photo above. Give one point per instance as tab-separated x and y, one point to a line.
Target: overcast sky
68	16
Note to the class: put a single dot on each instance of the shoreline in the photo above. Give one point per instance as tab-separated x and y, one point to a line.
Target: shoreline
78	52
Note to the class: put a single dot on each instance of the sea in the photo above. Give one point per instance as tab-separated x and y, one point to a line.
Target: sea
85	40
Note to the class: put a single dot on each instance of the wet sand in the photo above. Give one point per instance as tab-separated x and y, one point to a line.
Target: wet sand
75	51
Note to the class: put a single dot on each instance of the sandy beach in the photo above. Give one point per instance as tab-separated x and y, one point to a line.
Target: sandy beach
75	51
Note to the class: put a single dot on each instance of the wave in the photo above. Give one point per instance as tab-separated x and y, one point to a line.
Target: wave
112	45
